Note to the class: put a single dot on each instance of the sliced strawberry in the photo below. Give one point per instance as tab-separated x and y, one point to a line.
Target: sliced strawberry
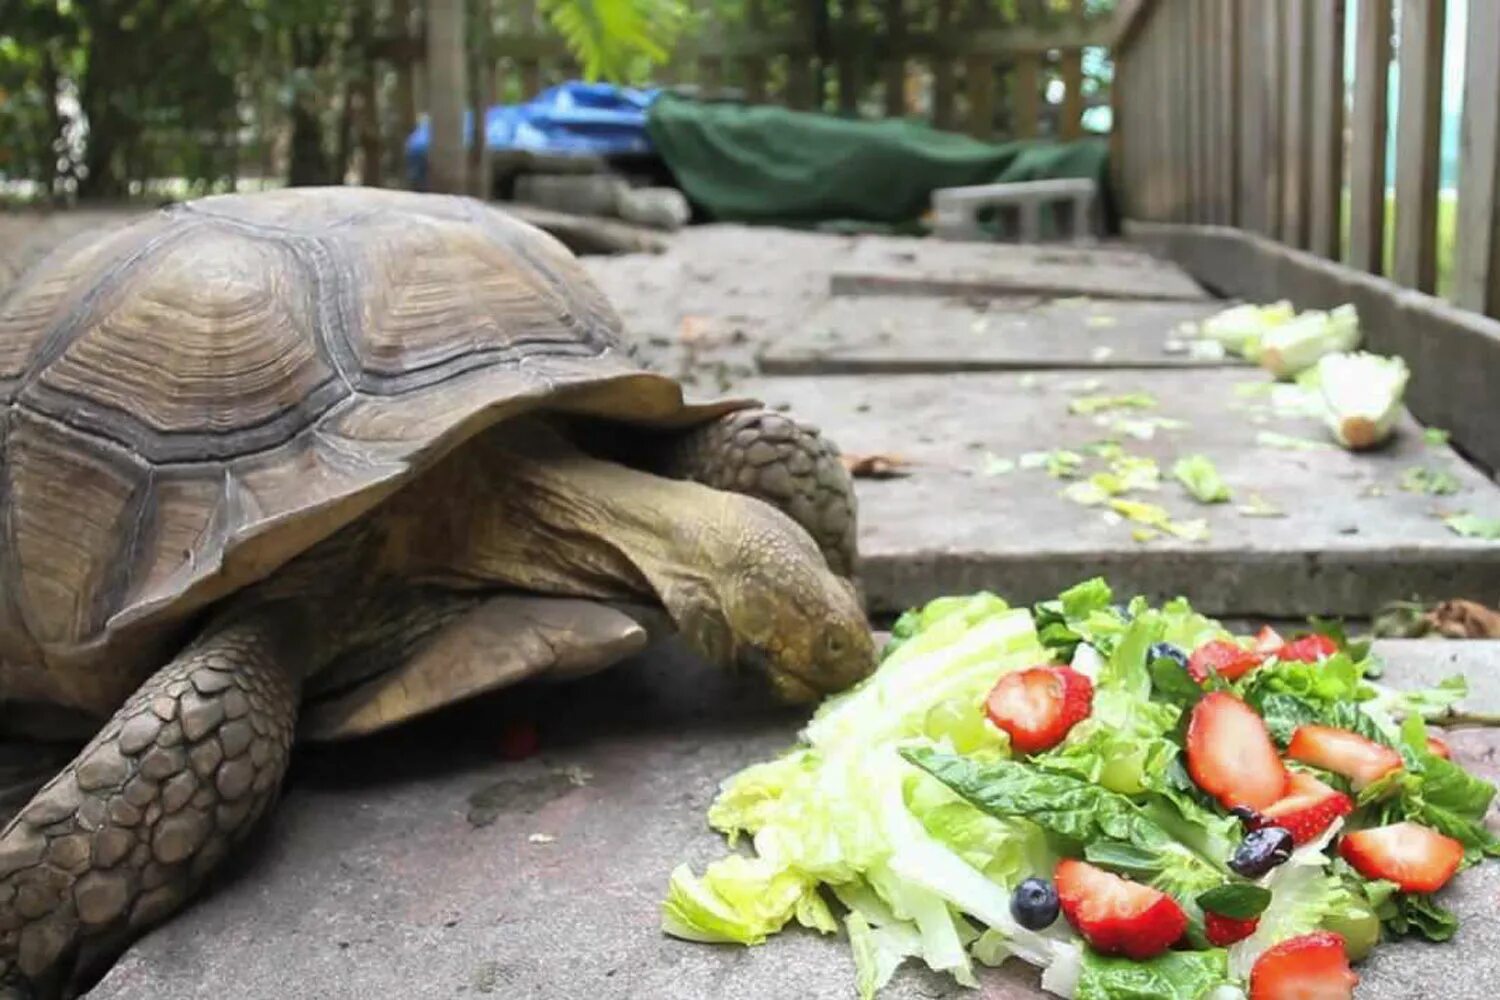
1342	752
1308	808
1268	641
1438	747
1308	649
1224	931
1038	706
1416	858
1228	659
1311	967
1230	755
1117	916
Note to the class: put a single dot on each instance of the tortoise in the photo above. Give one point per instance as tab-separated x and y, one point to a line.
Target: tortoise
308	463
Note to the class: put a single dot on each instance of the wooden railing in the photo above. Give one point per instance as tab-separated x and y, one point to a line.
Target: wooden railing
1237	113
978	73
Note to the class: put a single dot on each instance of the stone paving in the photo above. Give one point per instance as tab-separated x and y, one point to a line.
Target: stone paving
421	864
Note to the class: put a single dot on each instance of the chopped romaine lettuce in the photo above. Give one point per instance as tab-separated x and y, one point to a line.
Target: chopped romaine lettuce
1289	349
1201	478
1241	328
1362	396
1172	975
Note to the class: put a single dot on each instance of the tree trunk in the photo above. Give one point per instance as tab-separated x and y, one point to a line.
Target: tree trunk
54	144
100	97
308	160
368	117
446	88
481	88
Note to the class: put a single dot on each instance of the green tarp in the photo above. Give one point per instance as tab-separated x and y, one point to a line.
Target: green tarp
763	164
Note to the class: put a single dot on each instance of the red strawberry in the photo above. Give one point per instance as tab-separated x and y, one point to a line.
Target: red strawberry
1230	755
1224	931
1117	916
1308	649
1411	855
1308	808
1438	747
1038	706
1228	659
1268	641
1311	967
1342	752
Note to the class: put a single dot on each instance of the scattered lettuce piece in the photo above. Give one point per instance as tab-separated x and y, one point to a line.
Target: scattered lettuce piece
1362	394
1198	474
1435	436
1294	346
1119	401
1434	482
1287	442
1241	328
1473	526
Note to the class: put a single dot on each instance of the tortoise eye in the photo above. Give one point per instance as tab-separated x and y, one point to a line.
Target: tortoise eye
833	642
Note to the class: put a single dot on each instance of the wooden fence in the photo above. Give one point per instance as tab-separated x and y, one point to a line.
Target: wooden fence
1238	113
984	76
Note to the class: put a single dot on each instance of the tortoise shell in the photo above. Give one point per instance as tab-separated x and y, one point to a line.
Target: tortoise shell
196	398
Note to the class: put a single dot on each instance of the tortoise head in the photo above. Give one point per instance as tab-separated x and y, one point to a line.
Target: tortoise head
788	614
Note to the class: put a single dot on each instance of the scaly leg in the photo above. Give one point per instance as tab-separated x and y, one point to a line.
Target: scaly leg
126	831
770	456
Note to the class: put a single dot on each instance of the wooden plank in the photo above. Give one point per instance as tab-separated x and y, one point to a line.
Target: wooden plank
1417	139
1477	254
1228	126
1182	106
1252	111
1326	149
944	111
1130	16
1367	136
895	62
1295	173
1027	95
1274	46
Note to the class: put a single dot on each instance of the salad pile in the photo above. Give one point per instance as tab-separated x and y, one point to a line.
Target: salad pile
1128	797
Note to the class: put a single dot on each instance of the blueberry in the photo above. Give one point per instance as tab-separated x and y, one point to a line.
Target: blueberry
1262	850
1034	904
1167	651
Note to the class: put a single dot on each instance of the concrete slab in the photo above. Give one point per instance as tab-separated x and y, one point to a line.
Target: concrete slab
905	334
931	267
379	876
1350	539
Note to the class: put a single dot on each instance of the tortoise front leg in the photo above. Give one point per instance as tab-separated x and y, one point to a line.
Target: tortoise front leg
790	465
126	831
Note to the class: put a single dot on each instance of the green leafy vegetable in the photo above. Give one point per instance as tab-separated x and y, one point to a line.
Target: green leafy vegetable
1473	526
1435	436
1122	401
1435	482
1172	975
1362	396
1202	480
1241	328
1287	442
1293	347
1236	900
1415	913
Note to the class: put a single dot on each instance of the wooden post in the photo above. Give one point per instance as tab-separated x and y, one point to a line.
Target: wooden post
846	57
1190	15
1295	172
942	70
1367	136
1417	139
447	60
480	90
1227	134
1477	253
1326	151
895	63
754	66
1273	39
1251	112
979	79
1027	95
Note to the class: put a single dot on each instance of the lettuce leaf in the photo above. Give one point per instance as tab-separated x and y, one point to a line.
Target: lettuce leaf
1172	975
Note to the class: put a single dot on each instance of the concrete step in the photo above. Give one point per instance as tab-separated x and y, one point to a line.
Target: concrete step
855	334
1351	538
934	267
409	865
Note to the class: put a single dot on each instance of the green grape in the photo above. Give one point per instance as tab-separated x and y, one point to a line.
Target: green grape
1359	927
962	723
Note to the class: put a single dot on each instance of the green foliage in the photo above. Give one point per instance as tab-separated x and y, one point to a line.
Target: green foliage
610	38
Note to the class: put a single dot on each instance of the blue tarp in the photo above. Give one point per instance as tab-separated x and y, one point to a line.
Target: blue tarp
574	118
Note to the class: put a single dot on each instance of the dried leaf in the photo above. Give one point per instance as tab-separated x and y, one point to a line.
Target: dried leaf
1463	619
875	465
